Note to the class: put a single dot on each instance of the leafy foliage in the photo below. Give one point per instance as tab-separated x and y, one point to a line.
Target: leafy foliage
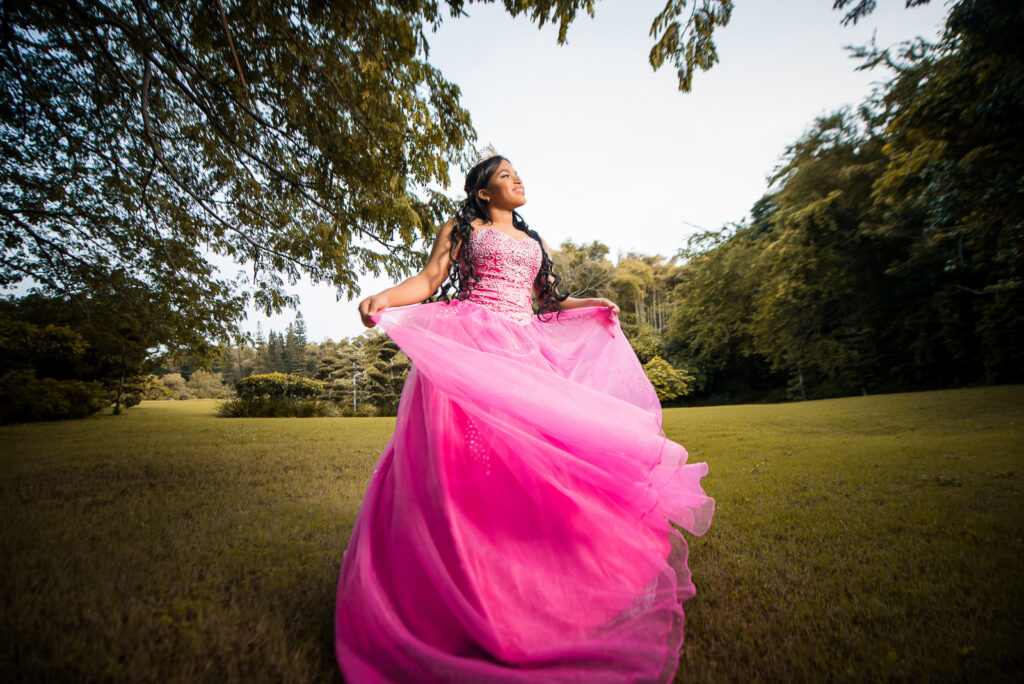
864	8
691	44
152	386
276	395
305	139
26	398
206	385
295	138
175	386
56	339
670	383
341	371
278	385
275	407
585	269
386	369
951	191
645	341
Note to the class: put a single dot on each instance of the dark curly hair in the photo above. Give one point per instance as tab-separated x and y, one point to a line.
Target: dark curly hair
461	272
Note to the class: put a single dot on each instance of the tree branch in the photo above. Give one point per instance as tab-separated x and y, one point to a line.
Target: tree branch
231	44
147	123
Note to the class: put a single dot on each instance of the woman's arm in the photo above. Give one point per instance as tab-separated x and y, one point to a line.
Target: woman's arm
573	302
418	287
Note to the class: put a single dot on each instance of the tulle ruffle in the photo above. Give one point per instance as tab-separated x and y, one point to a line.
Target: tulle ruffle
516	528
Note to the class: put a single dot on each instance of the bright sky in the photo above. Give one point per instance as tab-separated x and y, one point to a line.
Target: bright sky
610	150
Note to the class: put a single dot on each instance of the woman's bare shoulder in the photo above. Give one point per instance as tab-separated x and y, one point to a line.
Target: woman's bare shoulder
447	233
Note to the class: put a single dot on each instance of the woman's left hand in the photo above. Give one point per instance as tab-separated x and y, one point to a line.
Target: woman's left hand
601	301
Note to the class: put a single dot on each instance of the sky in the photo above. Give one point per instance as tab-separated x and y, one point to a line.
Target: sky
610	150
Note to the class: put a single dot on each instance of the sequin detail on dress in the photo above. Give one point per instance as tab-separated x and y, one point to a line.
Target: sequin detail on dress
507	268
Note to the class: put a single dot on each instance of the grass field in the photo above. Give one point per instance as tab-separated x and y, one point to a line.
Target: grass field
858	539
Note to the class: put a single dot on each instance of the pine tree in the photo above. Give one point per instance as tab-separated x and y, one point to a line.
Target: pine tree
261	349
300	353
386	368
275	359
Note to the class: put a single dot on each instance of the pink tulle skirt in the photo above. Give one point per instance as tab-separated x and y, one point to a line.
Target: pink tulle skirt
516	528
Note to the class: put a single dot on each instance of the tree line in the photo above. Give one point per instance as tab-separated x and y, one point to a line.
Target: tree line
887	255
361	375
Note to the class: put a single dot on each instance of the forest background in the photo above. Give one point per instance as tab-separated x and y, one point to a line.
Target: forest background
886	255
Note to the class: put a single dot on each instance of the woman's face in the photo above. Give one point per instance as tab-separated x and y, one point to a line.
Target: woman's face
504	189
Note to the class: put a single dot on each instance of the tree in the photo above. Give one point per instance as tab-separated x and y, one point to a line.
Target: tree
39	365
645	341
260	348
176	386
689	45
296	138
275	352
950	192
239	361
206	385
386	368
888	254
341	370
800	289
584	269
864	8
817	268
709	328
295	354
120	339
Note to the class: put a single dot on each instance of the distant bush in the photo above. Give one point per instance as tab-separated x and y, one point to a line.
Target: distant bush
206	385
278	385
272	395
25	398
669	382
363	411
154	388
276	407
176	387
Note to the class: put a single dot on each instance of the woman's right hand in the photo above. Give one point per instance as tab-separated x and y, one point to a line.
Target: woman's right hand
370	306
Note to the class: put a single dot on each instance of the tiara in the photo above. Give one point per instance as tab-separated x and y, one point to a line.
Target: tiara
485	153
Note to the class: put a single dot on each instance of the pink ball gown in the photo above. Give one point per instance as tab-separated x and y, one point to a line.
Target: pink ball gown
516	527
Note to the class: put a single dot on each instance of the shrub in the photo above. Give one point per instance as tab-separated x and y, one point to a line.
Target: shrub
154	388
645	341
176	387
206	385
669	382
275	395
278	385
365	410
24	398
276	407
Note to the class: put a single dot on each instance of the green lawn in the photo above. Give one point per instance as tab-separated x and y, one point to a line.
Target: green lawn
860	539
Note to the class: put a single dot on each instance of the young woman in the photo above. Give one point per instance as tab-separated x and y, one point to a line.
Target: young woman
516	528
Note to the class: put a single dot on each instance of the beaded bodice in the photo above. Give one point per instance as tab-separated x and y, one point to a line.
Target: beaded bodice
506	268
